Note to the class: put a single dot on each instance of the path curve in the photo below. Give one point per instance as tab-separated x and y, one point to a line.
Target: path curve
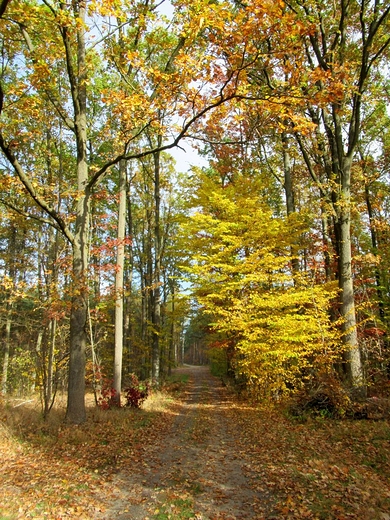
197	469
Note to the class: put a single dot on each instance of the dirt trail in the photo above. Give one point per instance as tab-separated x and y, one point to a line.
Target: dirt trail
196	470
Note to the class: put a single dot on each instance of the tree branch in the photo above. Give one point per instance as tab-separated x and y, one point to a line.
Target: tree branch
69	123
108	35
39	201
310	167
3	7
26	214
183	133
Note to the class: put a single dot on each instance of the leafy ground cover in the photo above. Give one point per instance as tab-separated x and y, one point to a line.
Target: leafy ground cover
193	452
322	468
51	470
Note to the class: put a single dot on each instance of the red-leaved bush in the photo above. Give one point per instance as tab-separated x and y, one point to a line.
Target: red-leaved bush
136	392
108	393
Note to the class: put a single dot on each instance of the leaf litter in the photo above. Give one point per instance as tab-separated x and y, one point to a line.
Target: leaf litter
204	454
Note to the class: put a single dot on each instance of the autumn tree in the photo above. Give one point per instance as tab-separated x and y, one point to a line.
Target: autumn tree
340	32
280	331
60	54
313	82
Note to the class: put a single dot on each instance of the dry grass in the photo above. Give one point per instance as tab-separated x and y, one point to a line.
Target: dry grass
157	402
21	418
22	424
54	470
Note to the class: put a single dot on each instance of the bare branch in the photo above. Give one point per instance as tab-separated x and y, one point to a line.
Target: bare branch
310	168
108	35
213	142
183	133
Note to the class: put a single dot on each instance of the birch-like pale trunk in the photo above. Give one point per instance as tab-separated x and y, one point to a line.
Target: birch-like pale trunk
119	284
156	300
346	285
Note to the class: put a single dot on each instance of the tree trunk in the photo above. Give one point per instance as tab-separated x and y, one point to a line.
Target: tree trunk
48	384
119	279
172	340
156	311
149	292
75	412
347	299
7	348
128	320
374	243
289	194
327	243
12	273
287	184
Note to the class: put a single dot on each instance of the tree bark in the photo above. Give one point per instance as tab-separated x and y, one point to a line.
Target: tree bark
128	323
289	194
119	284
156	311
347	298
75	412
172	360
7	349
12	273
49	373
3	7
375	247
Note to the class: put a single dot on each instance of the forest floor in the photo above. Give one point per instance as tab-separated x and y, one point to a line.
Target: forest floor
195	452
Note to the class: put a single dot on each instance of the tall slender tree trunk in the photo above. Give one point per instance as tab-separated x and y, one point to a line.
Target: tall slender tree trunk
149	292
12	273
347	297
327	244
75	412
119	284
49	379
288	184
374	243
128	321
38	352
289	194
7	349
156	311
172	340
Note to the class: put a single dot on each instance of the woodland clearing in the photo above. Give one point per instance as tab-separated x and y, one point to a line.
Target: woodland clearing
194	451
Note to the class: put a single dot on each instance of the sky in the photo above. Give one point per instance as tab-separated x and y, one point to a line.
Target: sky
186	156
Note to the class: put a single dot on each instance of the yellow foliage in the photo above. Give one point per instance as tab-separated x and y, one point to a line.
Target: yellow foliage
241	270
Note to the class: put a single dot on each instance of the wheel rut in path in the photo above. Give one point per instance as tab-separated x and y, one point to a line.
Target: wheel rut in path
195	470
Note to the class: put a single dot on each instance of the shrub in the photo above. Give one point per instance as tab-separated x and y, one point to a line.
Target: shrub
136	392
108	393
325	397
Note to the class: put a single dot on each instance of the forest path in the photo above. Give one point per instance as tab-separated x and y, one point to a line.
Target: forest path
196	469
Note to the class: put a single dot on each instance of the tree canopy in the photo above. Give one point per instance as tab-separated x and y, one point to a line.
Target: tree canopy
279	247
